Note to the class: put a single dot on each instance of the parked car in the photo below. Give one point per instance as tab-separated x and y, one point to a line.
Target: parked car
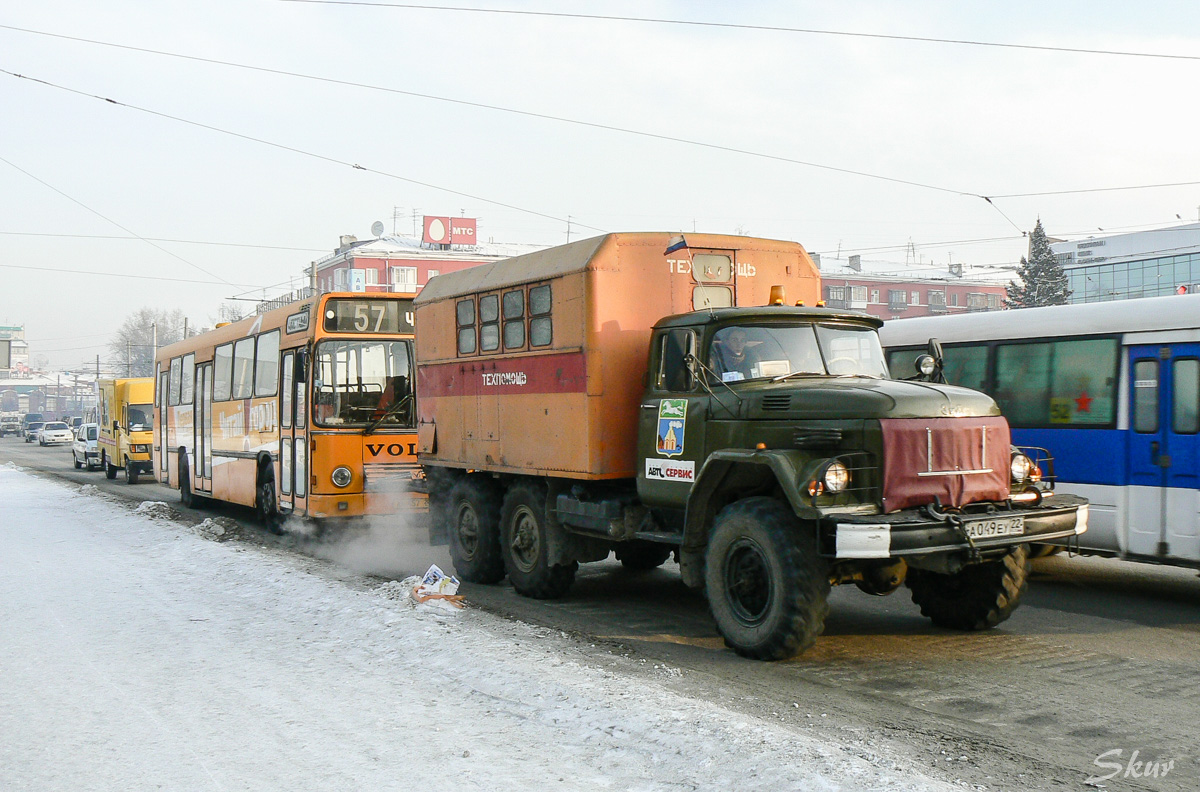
54	433
31	430
10	425
84	451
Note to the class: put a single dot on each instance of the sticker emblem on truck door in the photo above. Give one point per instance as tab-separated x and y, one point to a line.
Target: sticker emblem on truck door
671	415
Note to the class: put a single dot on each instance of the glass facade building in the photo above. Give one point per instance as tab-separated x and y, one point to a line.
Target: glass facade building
1122	280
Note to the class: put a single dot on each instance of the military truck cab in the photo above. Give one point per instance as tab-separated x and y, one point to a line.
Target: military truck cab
764	444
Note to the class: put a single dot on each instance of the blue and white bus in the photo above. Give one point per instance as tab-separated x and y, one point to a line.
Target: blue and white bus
1111	389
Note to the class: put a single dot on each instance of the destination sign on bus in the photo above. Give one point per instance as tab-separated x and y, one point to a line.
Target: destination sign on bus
368	316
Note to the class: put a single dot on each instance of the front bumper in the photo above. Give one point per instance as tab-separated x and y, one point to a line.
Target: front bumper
913	532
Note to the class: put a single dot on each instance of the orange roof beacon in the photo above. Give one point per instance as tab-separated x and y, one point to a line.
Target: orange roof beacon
652	394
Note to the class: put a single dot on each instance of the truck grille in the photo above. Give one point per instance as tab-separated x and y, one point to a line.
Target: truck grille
393	477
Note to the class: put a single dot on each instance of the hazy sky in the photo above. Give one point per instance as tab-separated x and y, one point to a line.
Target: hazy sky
970	120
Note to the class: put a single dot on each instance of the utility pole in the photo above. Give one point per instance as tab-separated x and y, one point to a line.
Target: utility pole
568	229
128	358
185	334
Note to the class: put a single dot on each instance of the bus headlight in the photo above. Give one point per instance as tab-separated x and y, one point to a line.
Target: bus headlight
1021	467
837	477
341	477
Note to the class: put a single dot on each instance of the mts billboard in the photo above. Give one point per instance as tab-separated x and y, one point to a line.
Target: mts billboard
449	231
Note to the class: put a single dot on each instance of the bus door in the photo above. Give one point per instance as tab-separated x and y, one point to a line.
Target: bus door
293	456
1163	517
163	461
201	470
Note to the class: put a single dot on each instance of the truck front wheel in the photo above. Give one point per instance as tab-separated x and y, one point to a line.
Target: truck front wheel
974	598
767	585
474	516
525	544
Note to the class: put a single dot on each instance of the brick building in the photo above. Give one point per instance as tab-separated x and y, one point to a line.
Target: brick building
896	291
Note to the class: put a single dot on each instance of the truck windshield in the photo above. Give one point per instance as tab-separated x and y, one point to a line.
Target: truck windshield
358	383
141	417
743	352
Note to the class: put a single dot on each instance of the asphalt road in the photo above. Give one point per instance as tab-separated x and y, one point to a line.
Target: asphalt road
1101	660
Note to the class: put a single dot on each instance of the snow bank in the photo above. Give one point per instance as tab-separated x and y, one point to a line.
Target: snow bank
218	529
156	510
138	655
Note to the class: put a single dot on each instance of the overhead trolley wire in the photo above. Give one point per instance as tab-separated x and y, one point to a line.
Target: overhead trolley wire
764	28
113	222
303	152
547	117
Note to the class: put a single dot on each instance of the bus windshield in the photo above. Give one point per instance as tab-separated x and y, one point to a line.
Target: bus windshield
744	352
359	383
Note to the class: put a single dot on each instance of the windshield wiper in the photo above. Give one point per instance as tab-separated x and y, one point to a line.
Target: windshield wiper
395	408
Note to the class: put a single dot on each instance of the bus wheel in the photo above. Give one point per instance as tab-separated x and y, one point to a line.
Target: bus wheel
265	504
525	545
642	555
767	585
474	517
186	497
131	472
110	471
974	598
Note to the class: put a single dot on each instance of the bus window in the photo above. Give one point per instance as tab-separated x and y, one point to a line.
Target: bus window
243	368
174	382
1145	396
223	372
1186	407
1023	383
1083	386
266	375
964	365
187	381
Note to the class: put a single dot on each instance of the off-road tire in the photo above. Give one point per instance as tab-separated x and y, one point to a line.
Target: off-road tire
767	586
641	556
266	506
1040	550
977	597
110	471
472	513
524	545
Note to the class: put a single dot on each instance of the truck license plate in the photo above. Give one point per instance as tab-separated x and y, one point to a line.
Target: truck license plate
993	527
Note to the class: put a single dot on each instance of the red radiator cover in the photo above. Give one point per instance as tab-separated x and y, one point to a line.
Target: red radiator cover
957	445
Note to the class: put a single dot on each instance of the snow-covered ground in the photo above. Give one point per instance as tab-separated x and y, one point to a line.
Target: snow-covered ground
137	653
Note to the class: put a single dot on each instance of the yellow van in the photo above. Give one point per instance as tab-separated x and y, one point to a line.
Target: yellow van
126	426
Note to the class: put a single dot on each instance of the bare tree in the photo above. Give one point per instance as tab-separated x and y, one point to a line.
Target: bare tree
131	350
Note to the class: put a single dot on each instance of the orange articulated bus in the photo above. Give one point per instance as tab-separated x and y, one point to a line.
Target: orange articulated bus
307	409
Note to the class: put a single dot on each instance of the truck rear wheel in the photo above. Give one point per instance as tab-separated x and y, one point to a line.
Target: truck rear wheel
525	545
976	597
474	524
643	555
767	585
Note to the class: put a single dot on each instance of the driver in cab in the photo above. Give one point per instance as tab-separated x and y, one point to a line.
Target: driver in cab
730	357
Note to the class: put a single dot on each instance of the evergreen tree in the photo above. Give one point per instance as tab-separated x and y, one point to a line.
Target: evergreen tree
1043	280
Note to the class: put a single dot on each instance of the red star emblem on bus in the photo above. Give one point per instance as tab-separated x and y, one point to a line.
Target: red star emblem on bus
1083	402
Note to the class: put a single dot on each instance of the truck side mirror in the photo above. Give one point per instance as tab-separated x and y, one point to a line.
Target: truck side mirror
116	426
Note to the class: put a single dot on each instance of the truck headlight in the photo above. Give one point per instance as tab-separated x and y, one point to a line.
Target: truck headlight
139	448
341	477
837	477
1021	467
